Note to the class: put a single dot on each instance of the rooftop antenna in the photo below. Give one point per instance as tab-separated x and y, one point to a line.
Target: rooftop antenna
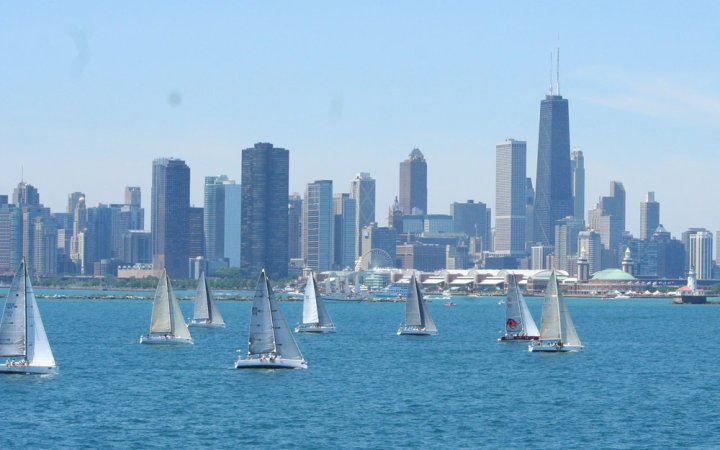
22	174
557	79
551	67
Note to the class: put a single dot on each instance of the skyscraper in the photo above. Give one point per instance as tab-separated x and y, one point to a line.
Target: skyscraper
363	191
132	196
295	204
318	224
171	216
553	184
590	247
471	218
608	219
344	212
413	183
233	223
649	216
510	197
264	236
577	168
214	216
701	254
26	194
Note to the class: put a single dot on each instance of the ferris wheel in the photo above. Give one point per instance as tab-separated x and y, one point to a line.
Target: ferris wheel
373	259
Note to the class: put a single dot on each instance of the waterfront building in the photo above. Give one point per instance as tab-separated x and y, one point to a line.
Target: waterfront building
423	257
170	216
685	237
471	218
577	169
553	183
438	223
510	197
413	184
700	254
317	229
590	245
196	235
670	255
45	258
566	242
649	216
137	247
363	191
295	204
233	224
344	230
265	179
214	213
608	218
539	257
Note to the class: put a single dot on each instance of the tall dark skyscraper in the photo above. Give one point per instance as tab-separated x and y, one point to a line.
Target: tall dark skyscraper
413	183
265	189
171	216
553	184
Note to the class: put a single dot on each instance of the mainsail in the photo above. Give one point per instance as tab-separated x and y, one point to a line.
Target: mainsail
556	321
13	325
314	310
205	308
179	327
416	312
160	320
269	332
518	320
21	329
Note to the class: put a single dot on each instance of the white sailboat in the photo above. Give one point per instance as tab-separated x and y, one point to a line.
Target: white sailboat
315	316
519	324
22	333
205	311
557	332
417	317
271	344
167	325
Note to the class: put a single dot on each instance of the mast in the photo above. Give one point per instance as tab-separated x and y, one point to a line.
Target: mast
272	322
557	303
25	294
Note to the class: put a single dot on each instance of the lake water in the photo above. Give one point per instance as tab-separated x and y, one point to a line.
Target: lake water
648	377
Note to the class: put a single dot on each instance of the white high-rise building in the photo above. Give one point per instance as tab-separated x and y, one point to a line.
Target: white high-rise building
577	169
700	254
318	223
362	189
510	197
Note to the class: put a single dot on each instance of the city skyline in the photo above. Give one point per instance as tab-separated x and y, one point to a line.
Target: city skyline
80	88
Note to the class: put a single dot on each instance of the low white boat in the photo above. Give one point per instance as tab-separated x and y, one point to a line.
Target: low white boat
315	316
205	311
519	324
22	333
167	325
557	332
271	344
417	318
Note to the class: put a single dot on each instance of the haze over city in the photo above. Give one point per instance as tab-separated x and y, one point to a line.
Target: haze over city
93	93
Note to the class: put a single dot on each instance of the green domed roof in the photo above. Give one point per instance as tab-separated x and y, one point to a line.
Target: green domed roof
612	275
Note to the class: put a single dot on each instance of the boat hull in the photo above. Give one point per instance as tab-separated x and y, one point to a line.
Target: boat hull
511	338
203	324
164	340
553	347
28	369
312	328
267	363
415	331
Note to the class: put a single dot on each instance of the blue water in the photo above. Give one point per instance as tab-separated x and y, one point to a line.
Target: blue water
648	377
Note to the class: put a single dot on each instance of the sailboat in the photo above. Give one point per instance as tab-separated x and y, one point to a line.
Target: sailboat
315	316
417	316
271	344
205	312
167	325
557	332
519	324
22	333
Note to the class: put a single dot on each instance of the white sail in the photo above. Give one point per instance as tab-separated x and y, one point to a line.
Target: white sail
160	321
413	315
38	346
179	328
261	337
205	308
550	327
427	320
569	334
13	325
310	301
201	308
531	328
513	312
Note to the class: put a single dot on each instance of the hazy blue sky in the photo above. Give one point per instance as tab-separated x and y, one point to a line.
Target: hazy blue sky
92	92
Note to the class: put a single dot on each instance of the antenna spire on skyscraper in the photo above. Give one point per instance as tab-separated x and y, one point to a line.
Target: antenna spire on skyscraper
557	79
